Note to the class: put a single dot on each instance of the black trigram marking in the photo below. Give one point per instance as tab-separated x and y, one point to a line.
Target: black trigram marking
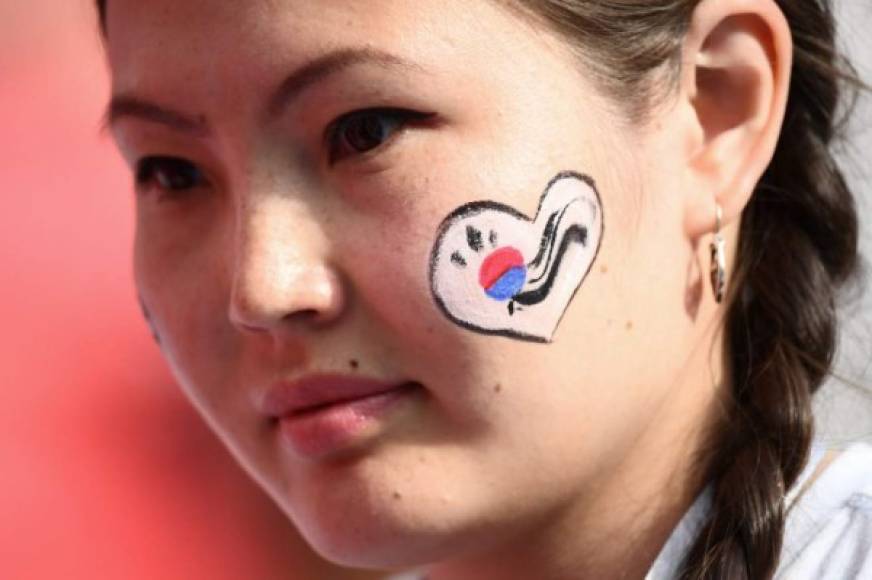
473	238
493	238
458	259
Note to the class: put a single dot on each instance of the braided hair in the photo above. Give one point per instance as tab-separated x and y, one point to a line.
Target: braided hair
797	247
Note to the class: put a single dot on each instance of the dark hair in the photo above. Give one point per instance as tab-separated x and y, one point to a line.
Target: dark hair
797	248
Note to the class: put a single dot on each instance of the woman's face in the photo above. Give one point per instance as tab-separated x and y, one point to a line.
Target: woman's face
277	243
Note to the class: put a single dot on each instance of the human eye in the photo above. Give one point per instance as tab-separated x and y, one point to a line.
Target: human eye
173	176
363	131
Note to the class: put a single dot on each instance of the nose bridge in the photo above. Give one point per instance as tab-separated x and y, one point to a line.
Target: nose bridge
280	267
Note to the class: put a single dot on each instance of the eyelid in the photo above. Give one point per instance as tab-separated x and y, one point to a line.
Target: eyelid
144	174
407	117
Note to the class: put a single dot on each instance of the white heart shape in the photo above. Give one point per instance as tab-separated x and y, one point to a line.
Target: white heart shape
495	271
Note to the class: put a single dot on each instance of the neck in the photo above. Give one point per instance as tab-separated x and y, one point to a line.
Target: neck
615	526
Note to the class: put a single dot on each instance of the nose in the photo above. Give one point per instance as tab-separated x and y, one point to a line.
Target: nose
281	277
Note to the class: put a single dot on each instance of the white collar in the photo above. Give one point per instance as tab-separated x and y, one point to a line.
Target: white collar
671	556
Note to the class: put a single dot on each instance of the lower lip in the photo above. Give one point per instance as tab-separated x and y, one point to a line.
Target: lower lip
317	433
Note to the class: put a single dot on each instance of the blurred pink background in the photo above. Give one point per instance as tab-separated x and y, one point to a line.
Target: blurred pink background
105	470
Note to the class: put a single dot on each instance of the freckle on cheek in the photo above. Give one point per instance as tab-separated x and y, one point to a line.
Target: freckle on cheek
498	388
353	363
604	269
629	325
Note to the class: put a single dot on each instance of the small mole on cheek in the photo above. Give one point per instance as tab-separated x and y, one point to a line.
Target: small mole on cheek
353	363
604	269
629	325
397	496
498	388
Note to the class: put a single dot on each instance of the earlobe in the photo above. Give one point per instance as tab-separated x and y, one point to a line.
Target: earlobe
736	81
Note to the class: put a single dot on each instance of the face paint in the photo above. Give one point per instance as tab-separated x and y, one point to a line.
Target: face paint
495	271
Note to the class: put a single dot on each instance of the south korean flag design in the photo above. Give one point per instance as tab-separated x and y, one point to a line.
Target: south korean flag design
496	271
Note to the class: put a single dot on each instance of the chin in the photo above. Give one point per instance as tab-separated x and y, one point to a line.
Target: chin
372	536
368	525
387	507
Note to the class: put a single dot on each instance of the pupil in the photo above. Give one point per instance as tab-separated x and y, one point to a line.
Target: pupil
177	175
367	133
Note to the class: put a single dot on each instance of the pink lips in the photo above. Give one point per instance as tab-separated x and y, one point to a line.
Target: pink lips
320	414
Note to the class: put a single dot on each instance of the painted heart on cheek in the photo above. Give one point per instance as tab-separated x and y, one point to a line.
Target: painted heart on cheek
495	271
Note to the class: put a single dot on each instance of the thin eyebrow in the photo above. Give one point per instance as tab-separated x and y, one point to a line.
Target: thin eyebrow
330	64
295	84
130	106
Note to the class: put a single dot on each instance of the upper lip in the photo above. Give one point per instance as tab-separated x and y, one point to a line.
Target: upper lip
305	393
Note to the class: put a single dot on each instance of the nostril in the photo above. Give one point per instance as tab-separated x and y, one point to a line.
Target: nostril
264	297
251	327
307	315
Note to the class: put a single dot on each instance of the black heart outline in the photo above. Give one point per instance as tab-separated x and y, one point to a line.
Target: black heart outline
478	207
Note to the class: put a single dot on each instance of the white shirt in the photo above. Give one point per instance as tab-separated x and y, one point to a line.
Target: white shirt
828	532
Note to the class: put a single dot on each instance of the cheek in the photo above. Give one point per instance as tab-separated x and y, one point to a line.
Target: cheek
386	257
498	271
186	294
385	260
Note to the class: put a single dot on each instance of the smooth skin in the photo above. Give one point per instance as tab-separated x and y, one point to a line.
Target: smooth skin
278	252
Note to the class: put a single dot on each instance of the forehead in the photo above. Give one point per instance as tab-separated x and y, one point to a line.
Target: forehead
226	27
162	38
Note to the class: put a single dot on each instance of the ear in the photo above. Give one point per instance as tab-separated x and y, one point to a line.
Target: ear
736	79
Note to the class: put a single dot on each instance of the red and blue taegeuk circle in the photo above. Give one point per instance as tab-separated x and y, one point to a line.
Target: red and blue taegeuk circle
503	273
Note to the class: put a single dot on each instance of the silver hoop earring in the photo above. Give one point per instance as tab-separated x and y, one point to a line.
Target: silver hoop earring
718	259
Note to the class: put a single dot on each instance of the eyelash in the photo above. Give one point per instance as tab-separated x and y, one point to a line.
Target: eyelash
153	170
165	171
399	118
